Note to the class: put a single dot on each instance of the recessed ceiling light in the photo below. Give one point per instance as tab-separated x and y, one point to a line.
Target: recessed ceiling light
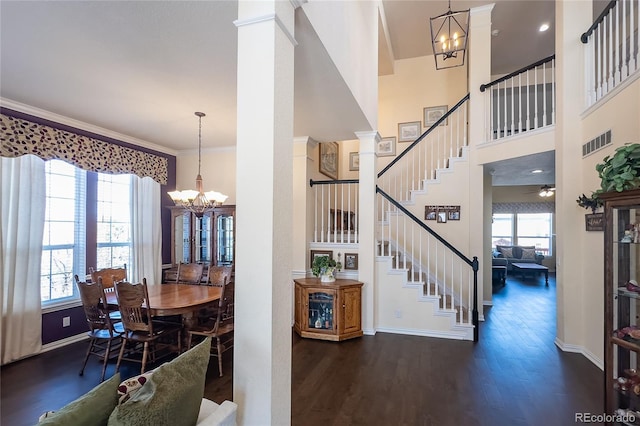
537	171
543	27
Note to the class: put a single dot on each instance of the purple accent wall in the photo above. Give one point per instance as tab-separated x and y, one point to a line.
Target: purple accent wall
52	329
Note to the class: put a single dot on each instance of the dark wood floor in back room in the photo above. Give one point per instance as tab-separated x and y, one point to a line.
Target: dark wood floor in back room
515	375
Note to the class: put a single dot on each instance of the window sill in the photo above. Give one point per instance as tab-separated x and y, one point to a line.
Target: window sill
59	306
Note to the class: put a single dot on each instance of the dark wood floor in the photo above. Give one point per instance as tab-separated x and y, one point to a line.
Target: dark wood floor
515	375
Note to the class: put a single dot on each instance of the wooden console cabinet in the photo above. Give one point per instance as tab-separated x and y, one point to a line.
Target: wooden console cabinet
328	311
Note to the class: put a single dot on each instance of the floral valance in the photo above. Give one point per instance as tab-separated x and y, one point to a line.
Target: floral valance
20	137
543	207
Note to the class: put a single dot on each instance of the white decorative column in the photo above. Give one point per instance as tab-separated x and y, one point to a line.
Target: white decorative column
264	164
479	73
366	223
303	205
572	19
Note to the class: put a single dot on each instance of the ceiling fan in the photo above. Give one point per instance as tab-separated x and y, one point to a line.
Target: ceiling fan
547	191
544	191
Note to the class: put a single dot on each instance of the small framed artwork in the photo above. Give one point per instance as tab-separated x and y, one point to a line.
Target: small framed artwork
430	212
594	222
386	147
433	114
320	253
442	217
354	161
409	132
351	261
453	213
329	159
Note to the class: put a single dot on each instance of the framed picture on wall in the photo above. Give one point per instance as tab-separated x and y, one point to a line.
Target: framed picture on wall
386	147
320	253
354	161
433	114
409	132
351	261
329	159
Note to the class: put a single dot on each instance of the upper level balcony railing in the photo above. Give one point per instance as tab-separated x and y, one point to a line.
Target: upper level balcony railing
612	47
521	101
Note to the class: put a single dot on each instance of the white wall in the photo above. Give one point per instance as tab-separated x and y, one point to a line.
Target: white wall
218	171
348	30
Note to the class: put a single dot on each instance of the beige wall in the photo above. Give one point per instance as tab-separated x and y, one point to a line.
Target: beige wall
218	171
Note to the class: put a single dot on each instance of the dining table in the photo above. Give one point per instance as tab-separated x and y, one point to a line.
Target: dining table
177	299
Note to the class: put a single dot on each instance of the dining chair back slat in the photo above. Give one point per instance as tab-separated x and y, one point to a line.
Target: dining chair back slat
217	275
189	273
109	276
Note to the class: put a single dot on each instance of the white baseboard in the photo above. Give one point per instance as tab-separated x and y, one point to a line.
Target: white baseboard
64	342
580	350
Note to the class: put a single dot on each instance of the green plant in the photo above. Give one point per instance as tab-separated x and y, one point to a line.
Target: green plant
325	265
592	202
621	171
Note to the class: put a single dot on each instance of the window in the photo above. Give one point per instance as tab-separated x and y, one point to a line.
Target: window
114	221
64	227
525	229
71	221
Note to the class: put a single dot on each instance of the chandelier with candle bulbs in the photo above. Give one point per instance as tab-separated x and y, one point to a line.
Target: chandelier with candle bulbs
198	201
449	34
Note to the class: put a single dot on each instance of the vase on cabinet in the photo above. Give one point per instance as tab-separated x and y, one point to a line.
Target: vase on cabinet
328	276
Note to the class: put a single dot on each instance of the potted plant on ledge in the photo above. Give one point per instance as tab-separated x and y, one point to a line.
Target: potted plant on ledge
325	267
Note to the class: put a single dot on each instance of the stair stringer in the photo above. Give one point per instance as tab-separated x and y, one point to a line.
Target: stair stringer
403	308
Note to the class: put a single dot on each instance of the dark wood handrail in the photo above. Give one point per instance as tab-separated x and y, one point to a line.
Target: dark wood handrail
422	136
475	265
484	87
332	182
584	38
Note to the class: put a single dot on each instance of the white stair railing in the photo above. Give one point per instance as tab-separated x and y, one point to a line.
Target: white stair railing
335	217
430	152
521	101
612	48
430	260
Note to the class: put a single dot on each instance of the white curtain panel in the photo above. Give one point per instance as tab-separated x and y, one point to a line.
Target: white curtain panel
22	214
146	230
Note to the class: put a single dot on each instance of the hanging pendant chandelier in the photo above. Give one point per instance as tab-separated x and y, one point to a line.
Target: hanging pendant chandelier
449	34
197	201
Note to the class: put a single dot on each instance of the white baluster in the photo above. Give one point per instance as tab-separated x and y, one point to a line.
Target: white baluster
528	109
544	94
315	214
610	84
600	53
625	58
504	93
553	91
637	61
616	61
535	97
520	103
513	117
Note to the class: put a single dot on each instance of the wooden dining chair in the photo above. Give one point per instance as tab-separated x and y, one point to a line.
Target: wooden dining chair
189	273
107	277
217	275
222	329
141	330
104	334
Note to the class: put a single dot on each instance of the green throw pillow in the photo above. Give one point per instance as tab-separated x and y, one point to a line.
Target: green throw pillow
91	409
171	396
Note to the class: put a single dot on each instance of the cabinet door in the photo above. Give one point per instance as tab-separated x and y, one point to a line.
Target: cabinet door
351	316
181	236
202	238
224	236
320	308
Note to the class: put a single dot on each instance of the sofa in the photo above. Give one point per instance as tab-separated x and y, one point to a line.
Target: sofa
517	254
171	394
